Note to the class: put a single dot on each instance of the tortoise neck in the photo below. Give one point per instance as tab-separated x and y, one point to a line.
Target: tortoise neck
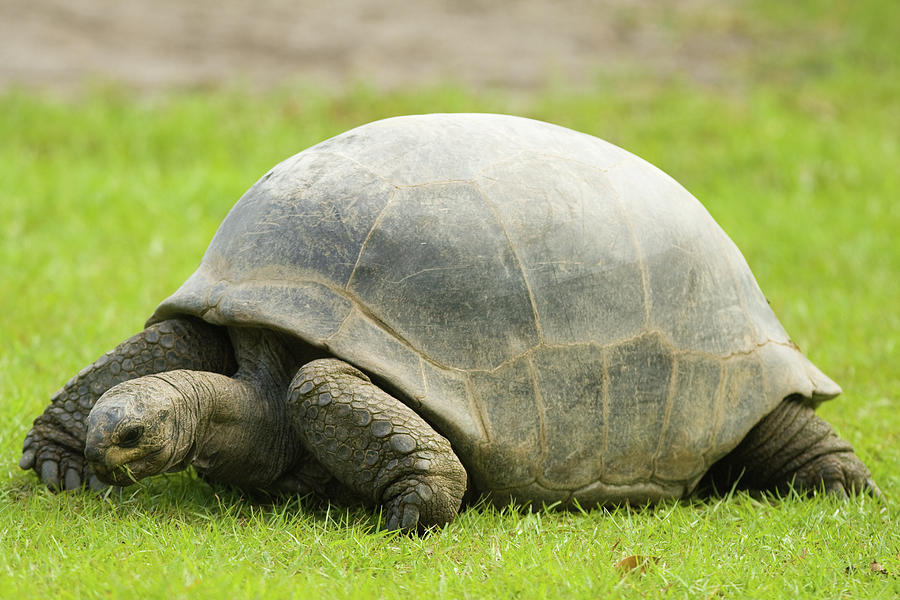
265	358
248	439
242	434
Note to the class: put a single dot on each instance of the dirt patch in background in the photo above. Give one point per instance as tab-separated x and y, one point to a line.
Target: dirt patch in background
508	44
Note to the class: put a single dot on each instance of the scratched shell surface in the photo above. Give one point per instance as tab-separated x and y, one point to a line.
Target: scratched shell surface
570	317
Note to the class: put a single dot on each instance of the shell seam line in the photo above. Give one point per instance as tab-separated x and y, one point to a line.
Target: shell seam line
363	310
473	398
394	334
359	164
375	225
642	264
343	322
541	408
534	310
396	186
717	416
665	341
547	485
667	415
347	295
604	402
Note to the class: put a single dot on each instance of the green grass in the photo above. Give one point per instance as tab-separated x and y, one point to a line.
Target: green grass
107	203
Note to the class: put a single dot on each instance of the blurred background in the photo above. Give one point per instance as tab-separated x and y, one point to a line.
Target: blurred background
516	45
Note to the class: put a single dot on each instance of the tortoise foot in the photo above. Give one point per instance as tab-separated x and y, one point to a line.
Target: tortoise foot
794	447
59	466
376	446
842	474
415	505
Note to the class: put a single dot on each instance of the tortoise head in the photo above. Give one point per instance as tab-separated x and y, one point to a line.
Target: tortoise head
134	431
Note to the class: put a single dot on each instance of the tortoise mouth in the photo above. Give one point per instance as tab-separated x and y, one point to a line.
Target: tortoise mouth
127	472
121	476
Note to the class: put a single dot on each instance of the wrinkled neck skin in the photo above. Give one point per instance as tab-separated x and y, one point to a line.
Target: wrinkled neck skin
235	429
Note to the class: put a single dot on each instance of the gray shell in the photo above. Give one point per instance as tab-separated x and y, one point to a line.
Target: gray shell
570	317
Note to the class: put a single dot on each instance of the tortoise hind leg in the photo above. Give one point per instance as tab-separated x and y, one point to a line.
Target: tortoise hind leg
54	448
376	446
792	446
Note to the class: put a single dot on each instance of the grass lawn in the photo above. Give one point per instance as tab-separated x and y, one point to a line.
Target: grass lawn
108	201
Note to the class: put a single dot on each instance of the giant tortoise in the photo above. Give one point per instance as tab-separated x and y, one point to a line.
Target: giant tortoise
429	306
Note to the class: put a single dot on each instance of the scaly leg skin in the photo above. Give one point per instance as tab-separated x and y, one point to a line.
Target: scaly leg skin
376	446
793	447
54	448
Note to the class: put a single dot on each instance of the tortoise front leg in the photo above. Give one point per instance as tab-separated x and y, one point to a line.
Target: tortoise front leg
54	448
376	446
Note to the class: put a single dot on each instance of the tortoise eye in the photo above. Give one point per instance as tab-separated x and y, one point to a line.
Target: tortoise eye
131	436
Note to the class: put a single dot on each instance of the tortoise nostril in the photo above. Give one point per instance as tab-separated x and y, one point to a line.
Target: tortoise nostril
130	437
93	454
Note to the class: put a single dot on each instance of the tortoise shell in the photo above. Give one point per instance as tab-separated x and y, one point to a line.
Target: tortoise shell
566	314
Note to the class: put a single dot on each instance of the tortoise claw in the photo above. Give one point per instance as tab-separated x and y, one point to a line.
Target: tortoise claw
872	489
836	488
50	474
27	460
72	480
402	515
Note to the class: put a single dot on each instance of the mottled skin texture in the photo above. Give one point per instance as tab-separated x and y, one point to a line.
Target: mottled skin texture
324	429
54	448
545	318
793	446
376	445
